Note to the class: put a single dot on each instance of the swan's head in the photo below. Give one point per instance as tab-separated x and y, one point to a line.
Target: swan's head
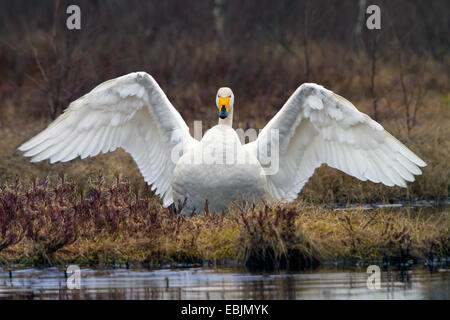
224	102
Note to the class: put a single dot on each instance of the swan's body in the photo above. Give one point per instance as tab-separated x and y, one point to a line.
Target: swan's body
315	126
220	183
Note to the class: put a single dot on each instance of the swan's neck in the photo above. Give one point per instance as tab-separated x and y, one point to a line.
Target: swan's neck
228	121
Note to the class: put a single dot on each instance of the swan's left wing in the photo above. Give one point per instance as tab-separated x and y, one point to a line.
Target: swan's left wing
317	126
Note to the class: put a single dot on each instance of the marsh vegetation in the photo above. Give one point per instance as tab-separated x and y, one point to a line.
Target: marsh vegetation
115	223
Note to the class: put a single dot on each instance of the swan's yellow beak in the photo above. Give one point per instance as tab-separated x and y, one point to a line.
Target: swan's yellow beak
224	102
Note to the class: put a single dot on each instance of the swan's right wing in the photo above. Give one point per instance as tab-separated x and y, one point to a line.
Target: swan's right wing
131	112
317	126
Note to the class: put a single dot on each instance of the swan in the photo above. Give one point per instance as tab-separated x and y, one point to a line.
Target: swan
315	126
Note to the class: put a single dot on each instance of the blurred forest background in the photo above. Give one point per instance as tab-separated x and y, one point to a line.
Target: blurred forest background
262	49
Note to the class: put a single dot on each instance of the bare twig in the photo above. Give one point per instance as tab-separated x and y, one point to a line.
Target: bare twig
411	103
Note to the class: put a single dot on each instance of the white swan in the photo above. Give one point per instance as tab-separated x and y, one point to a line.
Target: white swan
315	126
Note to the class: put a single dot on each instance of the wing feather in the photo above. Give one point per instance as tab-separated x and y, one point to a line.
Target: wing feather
316	126
71	152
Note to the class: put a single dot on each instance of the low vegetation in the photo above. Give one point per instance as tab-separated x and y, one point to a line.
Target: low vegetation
114	222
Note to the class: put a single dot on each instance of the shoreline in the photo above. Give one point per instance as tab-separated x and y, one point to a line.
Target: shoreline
432	265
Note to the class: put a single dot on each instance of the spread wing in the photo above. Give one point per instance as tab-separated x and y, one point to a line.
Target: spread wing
316	126
129	112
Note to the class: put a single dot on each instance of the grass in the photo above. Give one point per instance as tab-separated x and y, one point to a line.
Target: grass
108	223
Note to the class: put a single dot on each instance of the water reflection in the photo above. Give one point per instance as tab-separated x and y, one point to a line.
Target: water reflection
224	283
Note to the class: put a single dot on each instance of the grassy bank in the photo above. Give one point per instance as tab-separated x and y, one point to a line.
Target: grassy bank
113	222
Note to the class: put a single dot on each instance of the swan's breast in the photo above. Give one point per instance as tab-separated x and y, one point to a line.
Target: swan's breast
220	170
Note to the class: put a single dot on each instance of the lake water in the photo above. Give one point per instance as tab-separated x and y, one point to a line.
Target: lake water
326	282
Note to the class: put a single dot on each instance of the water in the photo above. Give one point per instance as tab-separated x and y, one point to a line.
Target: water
326	282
